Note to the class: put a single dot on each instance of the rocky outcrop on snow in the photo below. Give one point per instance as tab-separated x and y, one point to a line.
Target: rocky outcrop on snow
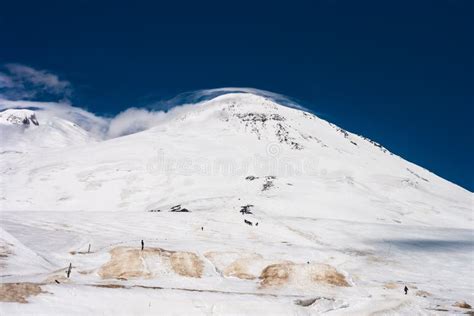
20	117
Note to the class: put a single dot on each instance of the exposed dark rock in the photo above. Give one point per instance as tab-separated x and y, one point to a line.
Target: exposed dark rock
251	178
417	175
267	185
383	149
306	302
178	209
259	117
245	209
284	137
309	115
343	132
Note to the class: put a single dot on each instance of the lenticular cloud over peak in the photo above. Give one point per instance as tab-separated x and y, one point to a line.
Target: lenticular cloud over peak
197	96
135	119
23	87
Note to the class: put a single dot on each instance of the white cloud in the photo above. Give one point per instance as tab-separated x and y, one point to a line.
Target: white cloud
5	81
130	121
196	96
133	119
23	82
92	123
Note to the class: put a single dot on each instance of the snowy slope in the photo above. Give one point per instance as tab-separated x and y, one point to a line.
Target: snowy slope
24	131
204	153
343	224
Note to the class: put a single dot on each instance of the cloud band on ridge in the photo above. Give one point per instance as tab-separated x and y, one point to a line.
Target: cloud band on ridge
22	86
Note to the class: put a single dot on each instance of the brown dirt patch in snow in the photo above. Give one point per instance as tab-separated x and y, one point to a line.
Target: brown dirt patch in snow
125	263
4	250
422	293
236	264
186	264
275	274
239	270
325	273
301	274
128	263
18	292
462	304
391	286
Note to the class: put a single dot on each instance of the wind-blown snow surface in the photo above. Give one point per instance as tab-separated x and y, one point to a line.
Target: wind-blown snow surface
340	219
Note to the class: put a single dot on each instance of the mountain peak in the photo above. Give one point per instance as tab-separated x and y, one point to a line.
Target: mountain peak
21	117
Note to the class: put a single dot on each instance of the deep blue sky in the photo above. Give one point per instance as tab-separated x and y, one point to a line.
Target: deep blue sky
399	72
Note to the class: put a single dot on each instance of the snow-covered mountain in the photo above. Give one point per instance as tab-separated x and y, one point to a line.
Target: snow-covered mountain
18	117
23	131
234	148
245	206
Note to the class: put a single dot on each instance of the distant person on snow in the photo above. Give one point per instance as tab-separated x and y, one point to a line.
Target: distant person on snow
406	290
68	272
143	244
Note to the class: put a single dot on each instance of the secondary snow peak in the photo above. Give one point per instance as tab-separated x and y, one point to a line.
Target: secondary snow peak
20	117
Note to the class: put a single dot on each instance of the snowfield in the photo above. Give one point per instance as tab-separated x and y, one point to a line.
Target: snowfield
245	207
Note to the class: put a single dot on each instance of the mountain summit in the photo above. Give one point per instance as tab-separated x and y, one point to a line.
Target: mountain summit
18	117
26	131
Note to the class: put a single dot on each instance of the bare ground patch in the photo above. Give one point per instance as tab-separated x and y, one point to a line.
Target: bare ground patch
239	270
275	274
324	273
18	292
245	266
124	263
301	275
462	304
391	285
128	263
186	264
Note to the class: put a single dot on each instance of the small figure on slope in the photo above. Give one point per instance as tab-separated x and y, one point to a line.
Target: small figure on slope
68	272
